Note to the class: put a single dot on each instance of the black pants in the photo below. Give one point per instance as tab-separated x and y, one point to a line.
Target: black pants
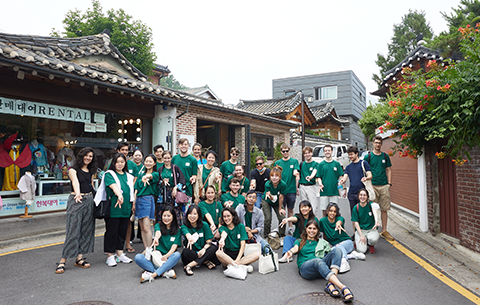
191	255
116	231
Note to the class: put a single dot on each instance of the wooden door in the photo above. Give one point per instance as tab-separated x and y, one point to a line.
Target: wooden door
447	182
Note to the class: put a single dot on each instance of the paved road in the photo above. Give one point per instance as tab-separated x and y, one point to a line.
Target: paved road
387	277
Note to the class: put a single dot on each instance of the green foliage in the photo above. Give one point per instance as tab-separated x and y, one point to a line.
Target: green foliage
373	117
277	152
132	37
442	103
317	133
448	42
404	41
170	82
255	153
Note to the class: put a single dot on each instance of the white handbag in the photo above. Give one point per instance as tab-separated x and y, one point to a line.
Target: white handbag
157	258
268	262
236	272
252	248
368	185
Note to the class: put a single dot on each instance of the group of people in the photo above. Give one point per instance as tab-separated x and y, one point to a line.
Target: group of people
213	212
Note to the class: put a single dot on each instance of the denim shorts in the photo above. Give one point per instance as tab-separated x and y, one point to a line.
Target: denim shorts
289	200
145	207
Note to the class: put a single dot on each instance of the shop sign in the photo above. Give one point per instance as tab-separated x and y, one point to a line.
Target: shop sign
90	127
12	206
40	110
51	203
101	127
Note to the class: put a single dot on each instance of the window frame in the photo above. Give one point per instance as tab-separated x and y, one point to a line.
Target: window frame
269	151
318	91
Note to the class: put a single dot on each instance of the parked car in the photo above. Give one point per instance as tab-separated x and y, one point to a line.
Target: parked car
339	154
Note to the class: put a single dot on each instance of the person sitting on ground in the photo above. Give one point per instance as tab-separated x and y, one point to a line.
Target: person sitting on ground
312	266
233	198
275	190
333	228
239	173
211	210
365	219
232	241
252	218
207	174
166	240
198	236
300	220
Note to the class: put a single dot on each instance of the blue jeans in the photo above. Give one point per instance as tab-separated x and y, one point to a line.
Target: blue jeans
147	265
346	246
320	267
288	243
258	203
353	200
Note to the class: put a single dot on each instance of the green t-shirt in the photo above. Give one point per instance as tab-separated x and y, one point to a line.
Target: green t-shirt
168	173
240	199
165	242
159	164
307	253
287	174
364	216
329	172
148	189
297	233
306	170
133	168
126	209
244	184
329	233
214	209
188	166
248	219
204	234
227	169
234	236
378	166
205	174
280	189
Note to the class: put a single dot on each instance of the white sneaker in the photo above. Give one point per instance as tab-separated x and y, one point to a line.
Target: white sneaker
284	259
146	276
111	262
170	274
345	266
356	255
248	268
124	259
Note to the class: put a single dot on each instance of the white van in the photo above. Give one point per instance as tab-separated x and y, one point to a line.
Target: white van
339	154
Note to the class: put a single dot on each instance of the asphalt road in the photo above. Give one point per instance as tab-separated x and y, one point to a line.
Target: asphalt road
387	277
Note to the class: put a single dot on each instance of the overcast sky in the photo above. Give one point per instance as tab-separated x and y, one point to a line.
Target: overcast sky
237	48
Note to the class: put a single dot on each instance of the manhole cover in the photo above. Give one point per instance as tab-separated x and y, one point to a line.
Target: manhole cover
316	298
91	303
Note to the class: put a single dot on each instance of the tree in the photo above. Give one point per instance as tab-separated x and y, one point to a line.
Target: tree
132	38
170	82
373	117
441	103
448	43
403	42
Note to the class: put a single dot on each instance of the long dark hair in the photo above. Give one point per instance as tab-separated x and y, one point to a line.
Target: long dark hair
114	161
199	220
301	219
173	227
92	167
337	208
235	220
154	168
305	235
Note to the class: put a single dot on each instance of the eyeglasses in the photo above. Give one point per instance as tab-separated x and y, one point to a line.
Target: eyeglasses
257	164
234	154
285	151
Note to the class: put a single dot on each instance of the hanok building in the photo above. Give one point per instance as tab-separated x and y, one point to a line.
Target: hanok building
59	95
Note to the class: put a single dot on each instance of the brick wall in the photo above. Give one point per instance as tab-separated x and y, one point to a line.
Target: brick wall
430	163
468	194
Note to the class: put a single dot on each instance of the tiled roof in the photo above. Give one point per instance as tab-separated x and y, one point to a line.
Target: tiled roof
272	107
161	68
57	56
327	110
201	90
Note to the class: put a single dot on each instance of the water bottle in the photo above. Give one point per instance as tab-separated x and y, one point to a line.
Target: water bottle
340	188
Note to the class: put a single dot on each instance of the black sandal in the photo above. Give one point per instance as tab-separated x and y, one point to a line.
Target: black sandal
331	292
210	265
188	270
82	264
345	295
60	268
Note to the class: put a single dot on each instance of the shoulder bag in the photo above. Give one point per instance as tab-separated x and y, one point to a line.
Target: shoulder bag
102	210
368	185
200	191
182	198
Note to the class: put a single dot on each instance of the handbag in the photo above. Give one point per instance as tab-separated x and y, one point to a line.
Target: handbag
236	272
102	210
200	192
268	262
274	242
156	257
252	248
368	185
182	198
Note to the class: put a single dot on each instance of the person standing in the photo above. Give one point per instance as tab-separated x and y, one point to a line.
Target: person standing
260	175
158	152
307	189
291	176
329	172
188	165
227	168
80	228
207	174
273	200
382	181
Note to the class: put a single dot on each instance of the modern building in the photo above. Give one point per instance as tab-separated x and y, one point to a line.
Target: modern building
343	89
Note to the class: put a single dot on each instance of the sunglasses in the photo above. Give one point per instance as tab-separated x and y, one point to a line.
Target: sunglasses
285	151
234	154
257	164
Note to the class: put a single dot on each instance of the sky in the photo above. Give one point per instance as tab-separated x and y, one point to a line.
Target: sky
238	48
